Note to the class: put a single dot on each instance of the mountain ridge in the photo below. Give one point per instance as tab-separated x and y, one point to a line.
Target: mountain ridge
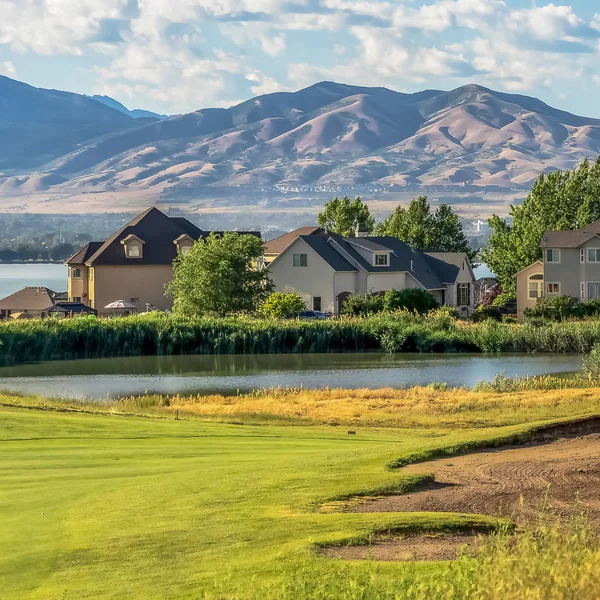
327	134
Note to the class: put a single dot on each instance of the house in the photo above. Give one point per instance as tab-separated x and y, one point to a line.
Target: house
326	268
570	267
133	264
32	301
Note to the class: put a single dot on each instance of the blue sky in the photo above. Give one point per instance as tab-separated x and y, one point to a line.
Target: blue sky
180	55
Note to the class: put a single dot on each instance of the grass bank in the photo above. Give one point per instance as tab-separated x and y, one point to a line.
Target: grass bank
124	501
127	502
34	340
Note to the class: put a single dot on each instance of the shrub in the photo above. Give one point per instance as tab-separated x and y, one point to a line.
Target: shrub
510	319
280	305
591	308
557	308
360	305
591	363
503	299
485	313
412	299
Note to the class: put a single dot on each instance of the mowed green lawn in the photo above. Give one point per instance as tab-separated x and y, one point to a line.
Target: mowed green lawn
97	506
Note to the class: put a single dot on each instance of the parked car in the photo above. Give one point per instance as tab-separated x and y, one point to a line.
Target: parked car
312	314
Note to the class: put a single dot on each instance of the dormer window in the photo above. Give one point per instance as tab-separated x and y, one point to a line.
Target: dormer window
134	246
382	260
184	243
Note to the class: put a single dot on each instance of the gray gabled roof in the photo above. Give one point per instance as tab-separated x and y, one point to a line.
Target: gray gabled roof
448	264
29	298
321	245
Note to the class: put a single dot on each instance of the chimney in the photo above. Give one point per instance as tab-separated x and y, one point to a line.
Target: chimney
361	230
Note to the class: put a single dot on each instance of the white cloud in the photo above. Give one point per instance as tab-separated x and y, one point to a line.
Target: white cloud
547	22
7	68
51	26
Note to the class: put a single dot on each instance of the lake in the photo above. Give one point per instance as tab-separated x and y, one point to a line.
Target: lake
117	377
15	277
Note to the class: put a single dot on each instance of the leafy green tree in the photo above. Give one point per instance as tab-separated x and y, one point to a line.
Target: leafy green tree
219	276
423	229
342	215
412	299
280	305
561	200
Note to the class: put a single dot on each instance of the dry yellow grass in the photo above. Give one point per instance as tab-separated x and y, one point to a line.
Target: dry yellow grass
415	407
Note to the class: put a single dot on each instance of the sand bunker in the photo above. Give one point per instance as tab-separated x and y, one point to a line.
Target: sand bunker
562	476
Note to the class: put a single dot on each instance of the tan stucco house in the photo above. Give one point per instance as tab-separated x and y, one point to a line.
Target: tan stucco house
570	266
326	268
133	264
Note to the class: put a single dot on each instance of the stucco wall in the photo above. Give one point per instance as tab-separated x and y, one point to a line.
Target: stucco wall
382	282
568	272
78	288
145	282
523	299
316	279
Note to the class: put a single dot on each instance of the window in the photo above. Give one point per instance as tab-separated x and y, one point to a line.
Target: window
535	286
133	251
300	260
76	298
381	260
317	303
593	291
463	294
553	255
185	249
582	291
593	254
76	273
582	255
91	275
553	288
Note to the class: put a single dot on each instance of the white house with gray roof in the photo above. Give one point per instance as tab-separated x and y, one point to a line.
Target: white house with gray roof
326	268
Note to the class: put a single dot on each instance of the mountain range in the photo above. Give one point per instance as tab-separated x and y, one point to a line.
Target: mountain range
329	134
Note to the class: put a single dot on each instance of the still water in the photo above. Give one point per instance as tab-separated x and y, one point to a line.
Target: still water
115	377
15	277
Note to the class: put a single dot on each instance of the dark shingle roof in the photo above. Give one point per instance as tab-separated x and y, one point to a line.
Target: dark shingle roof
157	230
83	254
446	264
320	244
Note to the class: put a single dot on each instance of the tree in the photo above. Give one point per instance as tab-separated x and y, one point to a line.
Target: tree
416	225
412	299
219	276
341	216
561	200
281	305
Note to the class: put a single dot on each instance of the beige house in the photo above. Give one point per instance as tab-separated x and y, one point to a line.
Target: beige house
326	268
570	266
133	264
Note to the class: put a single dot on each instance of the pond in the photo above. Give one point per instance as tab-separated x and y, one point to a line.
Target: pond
117	377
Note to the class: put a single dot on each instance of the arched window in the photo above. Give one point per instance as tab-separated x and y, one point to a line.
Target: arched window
536	283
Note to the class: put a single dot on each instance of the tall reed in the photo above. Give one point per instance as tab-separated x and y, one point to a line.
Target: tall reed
89	337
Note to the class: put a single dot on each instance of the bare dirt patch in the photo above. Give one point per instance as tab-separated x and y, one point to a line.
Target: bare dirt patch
443	546
562	476
556	476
